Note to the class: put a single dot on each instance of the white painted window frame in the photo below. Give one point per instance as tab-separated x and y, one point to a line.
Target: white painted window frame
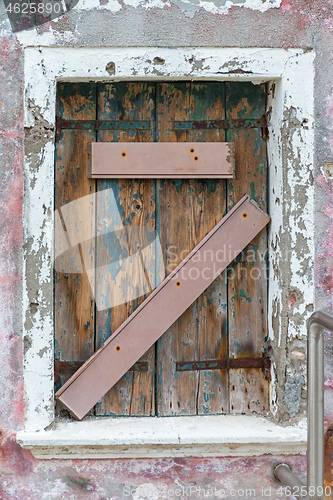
290	156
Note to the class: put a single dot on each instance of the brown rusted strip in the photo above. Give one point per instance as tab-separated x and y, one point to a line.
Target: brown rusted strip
226	364
72	366
264	129
163	306
221	124
226	124
62	124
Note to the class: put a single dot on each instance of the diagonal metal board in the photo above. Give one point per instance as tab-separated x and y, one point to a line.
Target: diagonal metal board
163	306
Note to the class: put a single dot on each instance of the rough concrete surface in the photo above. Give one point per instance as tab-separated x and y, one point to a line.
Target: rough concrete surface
131	23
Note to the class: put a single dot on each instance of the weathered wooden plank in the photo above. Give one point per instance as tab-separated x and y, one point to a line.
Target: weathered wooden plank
247	276
73	294
168	301
125	215
187	211
162	160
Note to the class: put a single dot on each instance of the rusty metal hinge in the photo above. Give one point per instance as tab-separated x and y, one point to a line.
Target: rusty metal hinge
226	124
69	367
123	125
226	364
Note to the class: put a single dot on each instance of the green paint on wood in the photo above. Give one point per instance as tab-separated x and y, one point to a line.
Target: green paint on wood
253	191
244	295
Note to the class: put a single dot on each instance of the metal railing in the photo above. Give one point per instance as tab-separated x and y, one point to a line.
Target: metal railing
283	472
318	322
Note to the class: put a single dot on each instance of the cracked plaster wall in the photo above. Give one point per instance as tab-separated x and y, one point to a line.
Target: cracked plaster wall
248	23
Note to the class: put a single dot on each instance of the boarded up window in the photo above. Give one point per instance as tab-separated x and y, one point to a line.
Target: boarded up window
229	320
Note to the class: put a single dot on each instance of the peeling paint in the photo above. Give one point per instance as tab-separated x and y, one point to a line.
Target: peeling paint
293	393
215	6
111	68
143	479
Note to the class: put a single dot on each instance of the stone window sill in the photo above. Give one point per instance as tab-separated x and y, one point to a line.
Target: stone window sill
149	437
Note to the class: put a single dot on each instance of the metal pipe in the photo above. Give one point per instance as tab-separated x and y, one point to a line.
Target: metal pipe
283	472
318	322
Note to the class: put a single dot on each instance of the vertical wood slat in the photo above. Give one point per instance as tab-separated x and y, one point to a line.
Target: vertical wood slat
247	285
186	211
134	200
73	297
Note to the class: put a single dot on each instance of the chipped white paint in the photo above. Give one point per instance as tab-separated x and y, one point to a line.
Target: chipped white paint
111	5
260	5
290	149
300	179
206	436
273	397
45	65
187	7
292	140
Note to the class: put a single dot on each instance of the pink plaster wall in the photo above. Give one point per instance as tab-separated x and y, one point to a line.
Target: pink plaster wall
11	198
141	479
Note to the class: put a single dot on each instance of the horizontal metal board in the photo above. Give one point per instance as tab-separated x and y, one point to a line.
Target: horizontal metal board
161	160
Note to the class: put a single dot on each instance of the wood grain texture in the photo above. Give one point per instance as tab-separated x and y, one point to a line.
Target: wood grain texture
247	281
133	201
186	211
73	297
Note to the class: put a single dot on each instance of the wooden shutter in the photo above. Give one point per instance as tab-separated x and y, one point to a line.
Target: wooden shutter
183	212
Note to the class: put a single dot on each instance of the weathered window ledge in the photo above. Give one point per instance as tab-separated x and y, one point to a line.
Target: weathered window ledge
149	437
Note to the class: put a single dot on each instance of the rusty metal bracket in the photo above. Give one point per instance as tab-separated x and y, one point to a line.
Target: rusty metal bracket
226	364
72	366
227	124
221	124
122	125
